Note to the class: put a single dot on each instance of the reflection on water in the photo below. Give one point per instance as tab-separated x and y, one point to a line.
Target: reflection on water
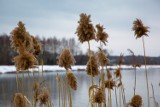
80	97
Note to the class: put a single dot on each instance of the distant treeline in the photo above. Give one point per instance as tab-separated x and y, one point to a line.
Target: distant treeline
52	47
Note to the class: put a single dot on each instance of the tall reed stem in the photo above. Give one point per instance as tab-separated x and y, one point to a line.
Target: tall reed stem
90	65
154	100
116	97
4	95
146	71
135	81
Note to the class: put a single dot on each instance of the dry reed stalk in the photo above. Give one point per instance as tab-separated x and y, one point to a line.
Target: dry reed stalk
64	95
58	84
90	67
17	80
116	97
86	32
134	65
154	100
140	31
4	96
145	62
29	88
36	93
42	70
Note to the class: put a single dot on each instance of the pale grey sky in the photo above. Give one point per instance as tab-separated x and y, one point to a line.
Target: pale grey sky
59	18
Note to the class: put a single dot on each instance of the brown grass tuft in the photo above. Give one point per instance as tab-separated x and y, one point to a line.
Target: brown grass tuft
72	80
66	59
117	73
43	97
109	84
37	48
102	58
139	29
109	75
19	100
136	101
92	66
35	88
99	96
25	61
85	30
101	35
19	38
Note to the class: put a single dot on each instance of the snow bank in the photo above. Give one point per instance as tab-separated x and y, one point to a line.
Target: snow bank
12	69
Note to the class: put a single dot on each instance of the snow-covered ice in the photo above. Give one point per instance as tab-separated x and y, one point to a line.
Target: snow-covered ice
12	68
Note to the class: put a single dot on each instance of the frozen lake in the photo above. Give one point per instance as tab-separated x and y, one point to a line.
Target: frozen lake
80	97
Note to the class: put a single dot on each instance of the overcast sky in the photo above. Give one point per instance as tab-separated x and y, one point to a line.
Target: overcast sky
59	18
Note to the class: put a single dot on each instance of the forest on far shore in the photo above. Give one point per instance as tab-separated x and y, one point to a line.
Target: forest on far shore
53	46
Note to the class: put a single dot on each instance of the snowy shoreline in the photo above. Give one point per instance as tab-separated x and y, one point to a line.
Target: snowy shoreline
12	69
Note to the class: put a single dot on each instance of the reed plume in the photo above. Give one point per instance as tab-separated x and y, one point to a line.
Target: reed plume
117	73
101	34
25	61
92	66
99	96
36	93
109	84
85	30
43	96
66	59
19	100
37	47
140	31
102	58
71	80
19	37
109	75
136	101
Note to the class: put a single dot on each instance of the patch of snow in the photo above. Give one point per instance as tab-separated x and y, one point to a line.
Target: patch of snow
12	68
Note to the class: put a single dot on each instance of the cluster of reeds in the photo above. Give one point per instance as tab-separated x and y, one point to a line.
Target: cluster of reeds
28	49
86	32
100	95
66	59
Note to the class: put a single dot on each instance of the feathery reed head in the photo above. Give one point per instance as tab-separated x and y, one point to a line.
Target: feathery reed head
109	84
101	35
19	100
66	59
109	75
43	97
35	88
72	80
37	47
120	59
99	96
102	58
25	61
92	66
139	29
117	73
136	101
85	30
20	37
